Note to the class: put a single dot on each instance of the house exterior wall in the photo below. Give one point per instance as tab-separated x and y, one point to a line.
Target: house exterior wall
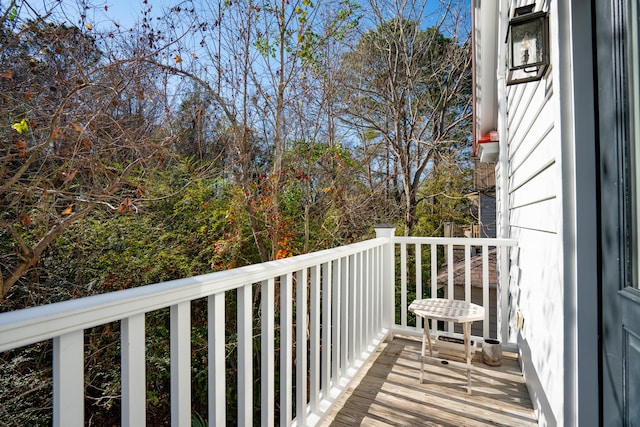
532	202
545	187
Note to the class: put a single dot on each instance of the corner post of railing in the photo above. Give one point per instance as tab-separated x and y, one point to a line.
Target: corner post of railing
387	231
504	288
503	291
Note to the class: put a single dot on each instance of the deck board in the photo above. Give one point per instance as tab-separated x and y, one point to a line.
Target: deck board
389	393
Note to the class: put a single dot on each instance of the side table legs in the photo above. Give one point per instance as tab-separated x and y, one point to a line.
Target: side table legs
426	338
466	327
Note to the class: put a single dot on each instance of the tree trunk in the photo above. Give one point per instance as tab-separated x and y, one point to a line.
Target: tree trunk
410	209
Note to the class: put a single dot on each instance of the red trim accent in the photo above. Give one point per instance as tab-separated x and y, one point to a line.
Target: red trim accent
489	137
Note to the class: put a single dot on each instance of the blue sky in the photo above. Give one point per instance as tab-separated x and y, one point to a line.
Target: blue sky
102	13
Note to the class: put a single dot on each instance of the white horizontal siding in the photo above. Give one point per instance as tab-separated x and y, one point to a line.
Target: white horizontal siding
537	189
535	220
540	216
527	160
529	102
533	166
540	302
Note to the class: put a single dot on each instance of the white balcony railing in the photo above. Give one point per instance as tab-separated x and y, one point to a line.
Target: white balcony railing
432	252
345	306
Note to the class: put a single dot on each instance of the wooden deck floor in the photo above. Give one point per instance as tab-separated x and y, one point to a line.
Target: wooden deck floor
390	393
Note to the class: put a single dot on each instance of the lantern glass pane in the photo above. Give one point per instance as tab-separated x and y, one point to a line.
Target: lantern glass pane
526	44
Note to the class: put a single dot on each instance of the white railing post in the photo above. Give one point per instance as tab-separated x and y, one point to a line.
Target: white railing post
419	294
388	272
434	271
467	273
336	303
485	291
216	355
180	349
314	340
301	347
351	316
68	379
367	299
403	284
325	357
360	307
267	371
450	288
286	349
245	357
344	321
134	385
503	294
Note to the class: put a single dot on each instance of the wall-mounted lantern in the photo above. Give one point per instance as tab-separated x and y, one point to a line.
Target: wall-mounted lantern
528	44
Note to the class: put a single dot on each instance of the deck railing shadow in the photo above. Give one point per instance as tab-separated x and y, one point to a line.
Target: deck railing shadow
391	394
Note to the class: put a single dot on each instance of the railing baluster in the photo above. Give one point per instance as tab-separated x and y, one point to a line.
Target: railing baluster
344	321
301	347
132	341
180	364
418	252
314	340
467	273
68	380
450	287
377	258
335	323
403	284
434	280
373	294
366	295
245	348
503	293
267	370
351	313
325	360
286	350
216	356
363	303
434	270
359	306
485	290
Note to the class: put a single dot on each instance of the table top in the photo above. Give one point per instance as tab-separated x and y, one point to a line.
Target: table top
447	310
